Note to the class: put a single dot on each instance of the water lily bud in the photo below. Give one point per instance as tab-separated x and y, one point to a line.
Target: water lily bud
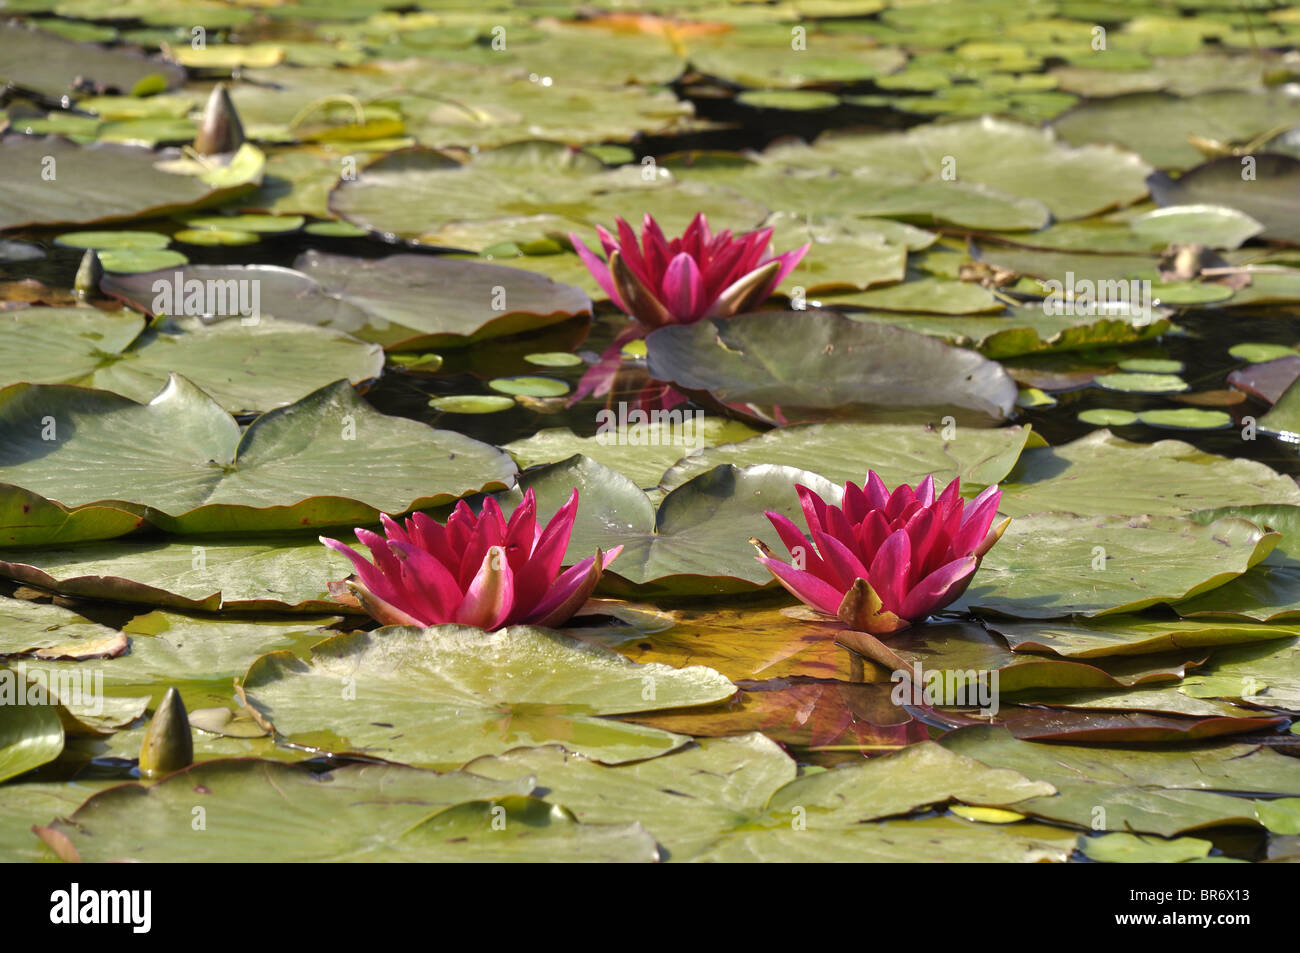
220	130
89	274
168	745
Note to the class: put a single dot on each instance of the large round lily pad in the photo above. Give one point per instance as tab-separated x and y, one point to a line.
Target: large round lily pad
416	301
742	795
1154	791
441	696
1013	158
1095	474
529	190
254	574
52	181
244	367
1051	565
182	462
811	362
262	810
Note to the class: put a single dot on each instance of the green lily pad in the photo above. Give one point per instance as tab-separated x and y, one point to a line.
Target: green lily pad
216	237
1260	352
794	100
1120	848
927	294
326	459
1157	125
553	359
144	241
78	194
28	803
537	188
1150	365
1053	565
276	574
530	386
1186	418
29	627
1129	635
335	230
726	797
1138	790
1284	418
640	450
955	649
1267	195
768	58
416	301
356	813
244	367
1141	383
472	403
1020	331
1264	674
694	543
1215	226
199	656
1281	816
1107	417
763	361
263	224
134	261
1270	592
1016	159
444	695
50	65
899	453
31	520
30	734
1089	476
892	195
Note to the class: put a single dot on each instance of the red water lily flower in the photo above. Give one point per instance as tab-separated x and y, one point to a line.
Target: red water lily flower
659	282
700	275
476	570
885	560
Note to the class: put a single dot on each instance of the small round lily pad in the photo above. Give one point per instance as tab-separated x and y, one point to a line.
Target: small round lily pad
471	403
1255	352
1107	417
422	362
138	260
530	386
1150	365
553	359
1186	418
216	236
800	100
116	241
1142	383
336	230
248	223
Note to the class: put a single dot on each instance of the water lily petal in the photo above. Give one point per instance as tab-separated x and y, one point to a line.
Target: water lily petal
939	588
491	594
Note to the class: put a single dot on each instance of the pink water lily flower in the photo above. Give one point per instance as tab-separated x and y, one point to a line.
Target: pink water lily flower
476	570
700	275
885	560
